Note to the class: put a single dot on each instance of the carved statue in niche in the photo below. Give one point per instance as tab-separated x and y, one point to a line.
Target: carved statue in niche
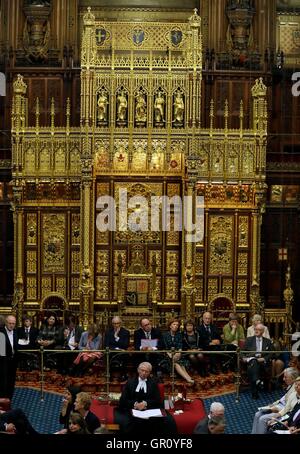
159	109
240	15
140	109
36	34
102	107
121	108
178	109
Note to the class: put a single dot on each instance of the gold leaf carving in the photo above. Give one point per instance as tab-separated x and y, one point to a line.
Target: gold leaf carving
220	248
53	228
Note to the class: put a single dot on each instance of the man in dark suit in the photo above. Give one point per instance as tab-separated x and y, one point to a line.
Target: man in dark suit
117	338
210	339
16	422
257	361
146	331
27	340
142	393
8	363
28	334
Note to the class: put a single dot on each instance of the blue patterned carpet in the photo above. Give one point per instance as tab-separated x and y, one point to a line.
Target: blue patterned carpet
44	415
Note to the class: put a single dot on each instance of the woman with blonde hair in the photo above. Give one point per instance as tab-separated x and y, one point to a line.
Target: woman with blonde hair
257	319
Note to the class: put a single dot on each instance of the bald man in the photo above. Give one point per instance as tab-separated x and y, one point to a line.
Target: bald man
8	363
258	359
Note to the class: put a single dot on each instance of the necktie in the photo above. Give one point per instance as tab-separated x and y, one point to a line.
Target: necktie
27	333
258	344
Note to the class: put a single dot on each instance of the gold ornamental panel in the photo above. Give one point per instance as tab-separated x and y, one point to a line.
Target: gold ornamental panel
75	261
61	285
102	260
75	294
125	230
31	288
243	263
102	189
75	228
220	244
102	237
171	288
212	287
54	232
173	189
199	262
242	290
173	237
29	162
75	161
157	255
46	286
116	287
31	228
59	162
158	289
199	289
102	288
227	287
123	255
172	262
102	161
140	35
289	38
31	261
243	231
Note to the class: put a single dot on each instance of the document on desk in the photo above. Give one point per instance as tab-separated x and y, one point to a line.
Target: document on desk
146	414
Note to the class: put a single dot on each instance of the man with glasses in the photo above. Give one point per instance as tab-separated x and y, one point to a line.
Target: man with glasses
148	339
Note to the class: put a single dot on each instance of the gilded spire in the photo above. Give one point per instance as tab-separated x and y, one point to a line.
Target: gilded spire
19	85
259	89
89	18
195	19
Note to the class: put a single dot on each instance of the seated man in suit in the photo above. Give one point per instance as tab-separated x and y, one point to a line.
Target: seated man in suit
117	338
146	331
142	393
210	339
16	422
257	362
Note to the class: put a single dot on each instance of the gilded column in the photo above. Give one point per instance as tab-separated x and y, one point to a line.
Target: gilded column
18	118
259	125
188	289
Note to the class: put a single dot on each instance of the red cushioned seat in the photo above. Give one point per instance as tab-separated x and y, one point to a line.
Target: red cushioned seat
4	404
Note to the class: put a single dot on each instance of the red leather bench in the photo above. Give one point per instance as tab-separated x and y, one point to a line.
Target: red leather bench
185	422
4	404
